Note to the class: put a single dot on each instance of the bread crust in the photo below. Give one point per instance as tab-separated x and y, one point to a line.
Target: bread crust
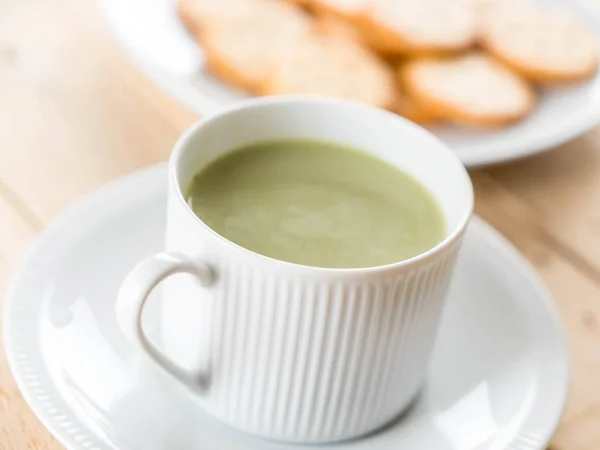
417	36
531	40
451	109
242	50
334	65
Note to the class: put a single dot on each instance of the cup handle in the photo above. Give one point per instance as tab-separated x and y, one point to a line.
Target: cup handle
132	297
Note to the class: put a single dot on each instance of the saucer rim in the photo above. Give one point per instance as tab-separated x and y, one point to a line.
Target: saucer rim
78	434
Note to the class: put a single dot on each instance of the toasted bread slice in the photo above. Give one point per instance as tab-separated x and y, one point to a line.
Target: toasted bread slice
473	89
423	26
195	13
544	44
407	107
242	50
341	9
333	26
336	66
337	17
298	2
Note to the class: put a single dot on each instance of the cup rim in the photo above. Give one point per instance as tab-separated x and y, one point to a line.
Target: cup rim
181	146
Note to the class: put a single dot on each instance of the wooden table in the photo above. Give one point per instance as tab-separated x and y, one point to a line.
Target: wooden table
74	114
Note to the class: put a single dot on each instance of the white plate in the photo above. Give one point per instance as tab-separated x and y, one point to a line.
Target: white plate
498	377
154	38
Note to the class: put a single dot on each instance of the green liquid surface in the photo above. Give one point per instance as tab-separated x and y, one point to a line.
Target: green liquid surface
317	204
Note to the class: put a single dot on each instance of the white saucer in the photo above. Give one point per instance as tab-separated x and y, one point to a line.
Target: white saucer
498	378
154	38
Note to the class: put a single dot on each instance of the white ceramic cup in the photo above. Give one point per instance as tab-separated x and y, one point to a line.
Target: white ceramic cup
286	351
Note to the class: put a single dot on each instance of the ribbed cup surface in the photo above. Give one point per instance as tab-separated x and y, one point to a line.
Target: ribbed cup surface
300	358
321	361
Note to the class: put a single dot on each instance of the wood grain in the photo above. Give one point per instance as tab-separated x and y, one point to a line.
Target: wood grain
576	293
561	188
74	114
19	429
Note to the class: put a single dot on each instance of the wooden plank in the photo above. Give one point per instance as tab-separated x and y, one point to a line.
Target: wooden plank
576	294
72	115
561	188
19	429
